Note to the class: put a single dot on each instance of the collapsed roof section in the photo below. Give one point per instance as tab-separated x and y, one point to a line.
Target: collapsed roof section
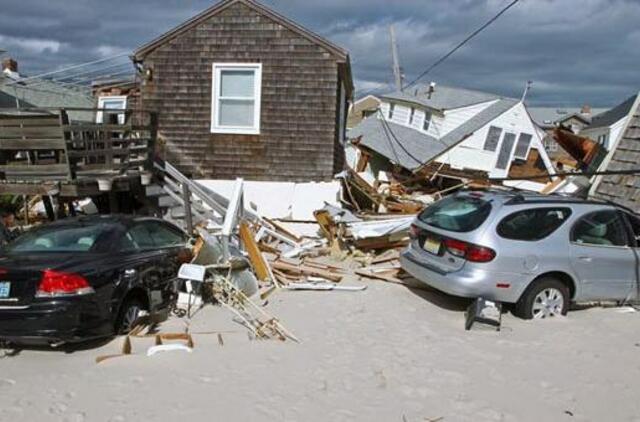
413	149
441	98
614	115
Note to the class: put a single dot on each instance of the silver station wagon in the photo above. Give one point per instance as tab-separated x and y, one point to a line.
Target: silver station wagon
539	252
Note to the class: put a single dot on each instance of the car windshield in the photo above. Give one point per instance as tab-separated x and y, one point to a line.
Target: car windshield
457	213
58	239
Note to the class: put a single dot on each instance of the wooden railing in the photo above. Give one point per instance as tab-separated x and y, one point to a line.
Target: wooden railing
42	144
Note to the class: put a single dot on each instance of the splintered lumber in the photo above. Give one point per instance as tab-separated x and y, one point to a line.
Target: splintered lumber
280	228
253	317
315	264
306	270
384	275
327	225
258	262
387	256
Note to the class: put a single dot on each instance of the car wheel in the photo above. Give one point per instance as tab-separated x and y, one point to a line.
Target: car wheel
129	316
545	298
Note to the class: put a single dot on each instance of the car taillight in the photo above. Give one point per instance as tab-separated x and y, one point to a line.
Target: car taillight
57	283
414	231
480	254
469	251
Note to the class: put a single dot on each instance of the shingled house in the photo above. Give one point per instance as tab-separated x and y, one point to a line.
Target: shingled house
245	92
624	155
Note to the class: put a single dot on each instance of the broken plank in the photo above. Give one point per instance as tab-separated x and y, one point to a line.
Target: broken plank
280	228
379	276
258	262
306	270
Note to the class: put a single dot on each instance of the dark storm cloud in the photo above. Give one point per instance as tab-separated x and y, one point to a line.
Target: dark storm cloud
574	51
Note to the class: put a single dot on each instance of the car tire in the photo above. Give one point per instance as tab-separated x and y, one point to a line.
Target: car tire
129	314
544	298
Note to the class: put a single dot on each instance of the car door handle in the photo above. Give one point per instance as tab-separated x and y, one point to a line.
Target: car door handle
585	258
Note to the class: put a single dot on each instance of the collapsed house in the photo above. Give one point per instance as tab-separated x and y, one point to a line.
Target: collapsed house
246	92
455	134
607	130
569	118
361	109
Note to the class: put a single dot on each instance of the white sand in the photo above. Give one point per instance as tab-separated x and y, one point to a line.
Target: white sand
386	354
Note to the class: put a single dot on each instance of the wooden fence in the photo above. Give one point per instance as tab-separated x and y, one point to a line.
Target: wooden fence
43	145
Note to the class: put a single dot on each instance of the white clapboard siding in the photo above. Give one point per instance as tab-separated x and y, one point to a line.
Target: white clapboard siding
457	116
470	153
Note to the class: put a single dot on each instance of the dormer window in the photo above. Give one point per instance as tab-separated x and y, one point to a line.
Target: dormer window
392	108
427	121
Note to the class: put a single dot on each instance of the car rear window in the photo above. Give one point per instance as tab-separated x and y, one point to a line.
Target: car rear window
457	213
533	224
59	239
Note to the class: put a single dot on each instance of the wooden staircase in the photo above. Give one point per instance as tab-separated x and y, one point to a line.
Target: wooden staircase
187	203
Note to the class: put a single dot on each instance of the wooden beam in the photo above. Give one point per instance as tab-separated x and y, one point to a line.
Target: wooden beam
258	262
186	202
48	206
28	188
31	144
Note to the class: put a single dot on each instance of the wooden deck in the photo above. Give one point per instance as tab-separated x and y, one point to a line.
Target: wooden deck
43	153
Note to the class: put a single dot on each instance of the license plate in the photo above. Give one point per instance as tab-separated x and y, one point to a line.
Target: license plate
5	289
432	245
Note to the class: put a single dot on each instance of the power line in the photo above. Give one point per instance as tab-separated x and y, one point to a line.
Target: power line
462	43
76	66
82	83
583	173
395	138
69	78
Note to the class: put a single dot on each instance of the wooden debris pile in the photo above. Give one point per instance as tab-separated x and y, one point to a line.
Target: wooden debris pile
346	232
360	195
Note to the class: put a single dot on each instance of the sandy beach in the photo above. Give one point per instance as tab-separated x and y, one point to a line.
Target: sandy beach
386	354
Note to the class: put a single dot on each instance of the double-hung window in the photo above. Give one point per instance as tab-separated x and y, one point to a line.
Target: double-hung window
235	104
427	121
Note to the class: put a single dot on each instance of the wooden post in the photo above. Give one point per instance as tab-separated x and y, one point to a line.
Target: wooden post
72	210
113	202
25	204
153	136
48	206
186	198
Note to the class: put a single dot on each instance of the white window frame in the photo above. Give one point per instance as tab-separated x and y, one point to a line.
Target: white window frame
107	98
217	68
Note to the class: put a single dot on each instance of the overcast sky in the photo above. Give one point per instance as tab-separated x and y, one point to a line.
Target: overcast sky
574	51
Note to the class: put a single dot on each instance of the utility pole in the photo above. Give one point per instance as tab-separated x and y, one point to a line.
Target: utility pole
397	73
526	91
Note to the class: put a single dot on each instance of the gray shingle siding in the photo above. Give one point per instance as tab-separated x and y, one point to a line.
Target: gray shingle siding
624	189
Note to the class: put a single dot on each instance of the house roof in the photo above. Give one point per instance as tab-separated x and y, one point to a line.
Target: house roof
337	51
614	115
443	97
547	117
623	189
413	149
43	93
